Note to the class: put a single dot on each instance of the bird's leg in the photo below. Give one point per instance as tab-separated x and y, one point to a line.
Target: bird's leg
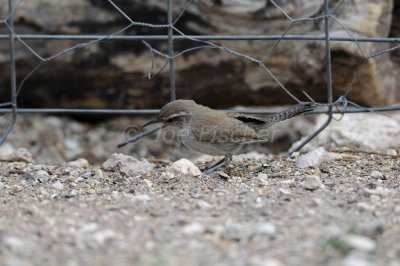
209	169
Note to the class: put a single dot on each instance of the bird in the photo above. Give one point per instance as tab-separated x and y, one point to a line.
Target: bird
219	133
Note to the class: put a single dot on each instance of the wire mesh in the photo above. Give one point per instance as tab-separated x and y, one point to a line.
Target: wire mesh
341	105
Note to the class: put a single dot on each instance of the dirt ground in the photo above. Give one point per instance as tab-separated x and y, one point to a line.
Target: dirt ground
262	210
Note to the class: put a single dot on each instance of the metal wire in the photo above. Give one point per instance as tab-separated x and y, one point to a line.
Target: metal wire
174	34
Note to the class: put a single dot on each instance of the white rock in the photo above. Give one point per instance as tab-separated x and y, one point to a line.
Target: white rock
368	131
20	246
13	261
185	167
103	236
312	159
79	163
391	152
201	204
42	176
359	242
126	164
21	155
380	191
166	177
265	229
262	179
311	182
6	150
141	198
249	156
376	174
353	260
58	185
193	229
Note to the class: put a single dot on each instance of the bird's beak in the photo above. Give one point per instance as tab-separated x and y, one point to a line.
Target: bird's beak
152	121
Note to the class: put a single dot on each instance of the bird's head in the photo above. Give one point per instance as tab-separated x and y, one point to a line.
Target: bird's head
174	113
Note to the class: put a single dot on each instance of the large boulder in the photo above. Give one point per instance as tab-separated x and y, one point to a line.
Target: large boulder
110	73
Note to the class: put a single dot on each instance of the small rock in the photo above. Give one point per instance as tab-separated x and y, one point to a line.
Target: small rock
86	174
275	169
103	236
20	246
42	176
324	168
21	155
141	198
311	182
127	165
193	229
12	261
58	185
28	176
312	159
376	174
266	229
262	179
363	206
380	191
184	167
391	152
354	260
79	163
285	192
223	175
359	242
167	177
201	204
6	150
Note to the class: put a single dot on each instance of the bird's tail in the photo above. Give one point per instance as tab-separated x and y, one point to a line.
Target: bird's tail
290	113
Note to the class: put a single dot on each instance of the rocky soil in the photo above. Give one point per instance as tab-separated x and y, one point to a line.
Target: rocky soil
260	210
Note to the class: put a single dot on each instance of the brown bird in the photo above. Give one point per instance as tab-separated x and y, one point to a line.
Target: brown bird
219	133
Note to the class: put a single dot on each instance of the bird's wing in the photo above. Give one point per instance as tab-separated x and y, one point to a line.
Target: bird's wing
218	127
248	119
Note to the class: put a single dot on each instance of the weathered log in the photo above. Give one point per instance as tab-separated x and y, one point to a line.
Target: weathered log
110	74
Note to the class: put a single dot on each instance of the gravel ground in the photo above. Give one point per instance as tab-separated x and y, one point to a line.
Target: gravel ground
261	210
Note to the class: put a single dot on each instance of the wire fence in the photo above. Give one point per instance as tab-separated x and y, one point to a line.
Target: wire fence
331	106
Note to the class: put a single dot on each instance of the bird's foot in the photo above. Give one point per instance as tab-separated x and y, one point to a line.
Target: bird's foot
211	168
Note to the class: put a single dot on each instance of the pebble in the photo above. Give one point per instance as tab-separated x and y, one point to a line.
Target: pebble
354	260
13	261
86	174
311	182
20	246
6	150
167	177
312	159
141	198
391	152
223	175
42	175
101	237
58	185
28	176
359	242
201	204
376	174
184	167
79	163
262	179
127	165
364	206
21	155
380	191
266	229
193	229
275	169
